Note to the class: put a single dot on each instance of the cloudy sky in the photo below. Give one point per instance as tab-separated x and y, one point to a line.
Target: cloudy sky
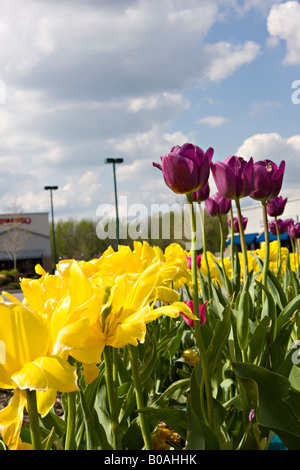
89	79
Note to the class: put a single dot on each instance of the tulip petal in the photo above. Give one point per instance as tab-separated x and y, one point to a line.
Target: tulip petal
11	418
25	334
31	377
45	401
172	311
60	374
72	336
180	174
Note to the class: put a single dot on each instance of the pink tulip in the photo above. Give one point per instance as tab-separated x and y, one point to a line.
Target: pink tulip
202	313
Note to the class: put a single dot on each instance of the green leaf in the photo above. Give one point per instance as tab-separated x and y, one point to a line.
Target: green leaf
52	420
274	284
219	339
288	311
258	340
278	405
175	390
133	439
199	436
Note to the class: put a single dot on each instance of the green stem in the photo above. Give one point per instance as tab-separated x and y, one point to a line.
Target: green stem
297	247
204	246
279	247
33	419
71	420
112	398
115	366
139	396
267	246
222	245
197	328
242	237
232	240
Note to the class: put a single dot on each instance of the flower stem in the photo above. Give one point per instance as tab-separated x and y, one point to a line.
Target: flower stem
139	396
70	435
279	247
204	246
232	240
198	333
226	280
33	420
267	246
242	237
112	399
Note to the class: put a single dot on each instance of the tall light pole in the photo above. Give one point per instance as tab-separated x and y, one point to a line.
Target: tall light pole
115	161
52	188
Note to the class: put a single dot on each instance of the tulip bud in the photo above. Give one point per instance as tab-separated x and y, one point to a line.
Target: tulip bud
267	180
202	194
275	207
186	169
294	230
202	313
281	224
236	226
189	261
233	177
217	205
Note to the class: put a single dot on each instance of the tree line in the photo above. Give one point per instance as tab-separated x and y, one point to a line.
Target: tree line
78	239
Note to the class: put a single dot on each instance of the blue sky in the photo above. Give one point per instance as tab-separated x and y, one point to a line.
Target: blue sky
86	80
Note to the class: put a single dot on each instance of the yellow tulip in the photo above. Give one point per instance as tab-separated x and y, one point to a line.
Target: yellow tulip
29	365
132	307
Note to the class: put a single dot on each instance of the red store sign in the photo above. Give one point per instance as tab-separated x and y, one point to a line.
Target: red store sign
14	220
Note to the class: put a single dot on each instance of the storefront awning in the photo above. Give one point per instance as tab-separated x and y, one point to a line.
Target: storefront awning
261	238
249	238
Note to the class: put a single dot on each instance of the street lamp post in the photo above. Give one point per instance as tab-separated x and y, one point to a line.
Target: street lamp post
115	161
52	188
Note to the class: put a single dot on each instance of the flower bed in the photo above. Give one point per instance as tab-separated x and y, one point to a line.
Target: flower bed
156	350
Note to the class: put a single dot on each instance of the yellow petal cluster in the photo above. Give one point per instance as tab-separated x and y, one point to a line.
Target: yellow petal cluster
77	312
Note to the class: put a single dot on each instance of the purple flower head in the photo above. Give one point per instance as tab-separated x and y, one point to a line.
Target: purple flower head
202	313
236	227
282	226
202	194
267	180
275	207
186	169
217	205
233	177
294	230
189	261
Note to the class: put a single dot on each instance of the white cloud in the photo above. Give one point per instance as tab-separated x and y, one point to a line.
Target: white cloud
227	58
273	146
262	107
157	101
86	80
213	121
283	23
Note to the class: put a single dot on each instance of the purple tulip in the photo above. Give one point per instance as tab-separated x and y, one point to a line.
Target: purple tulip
267	180
236	227
202	194
282	226
294	230
217	205
186	169
233	177
275	207
202	313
